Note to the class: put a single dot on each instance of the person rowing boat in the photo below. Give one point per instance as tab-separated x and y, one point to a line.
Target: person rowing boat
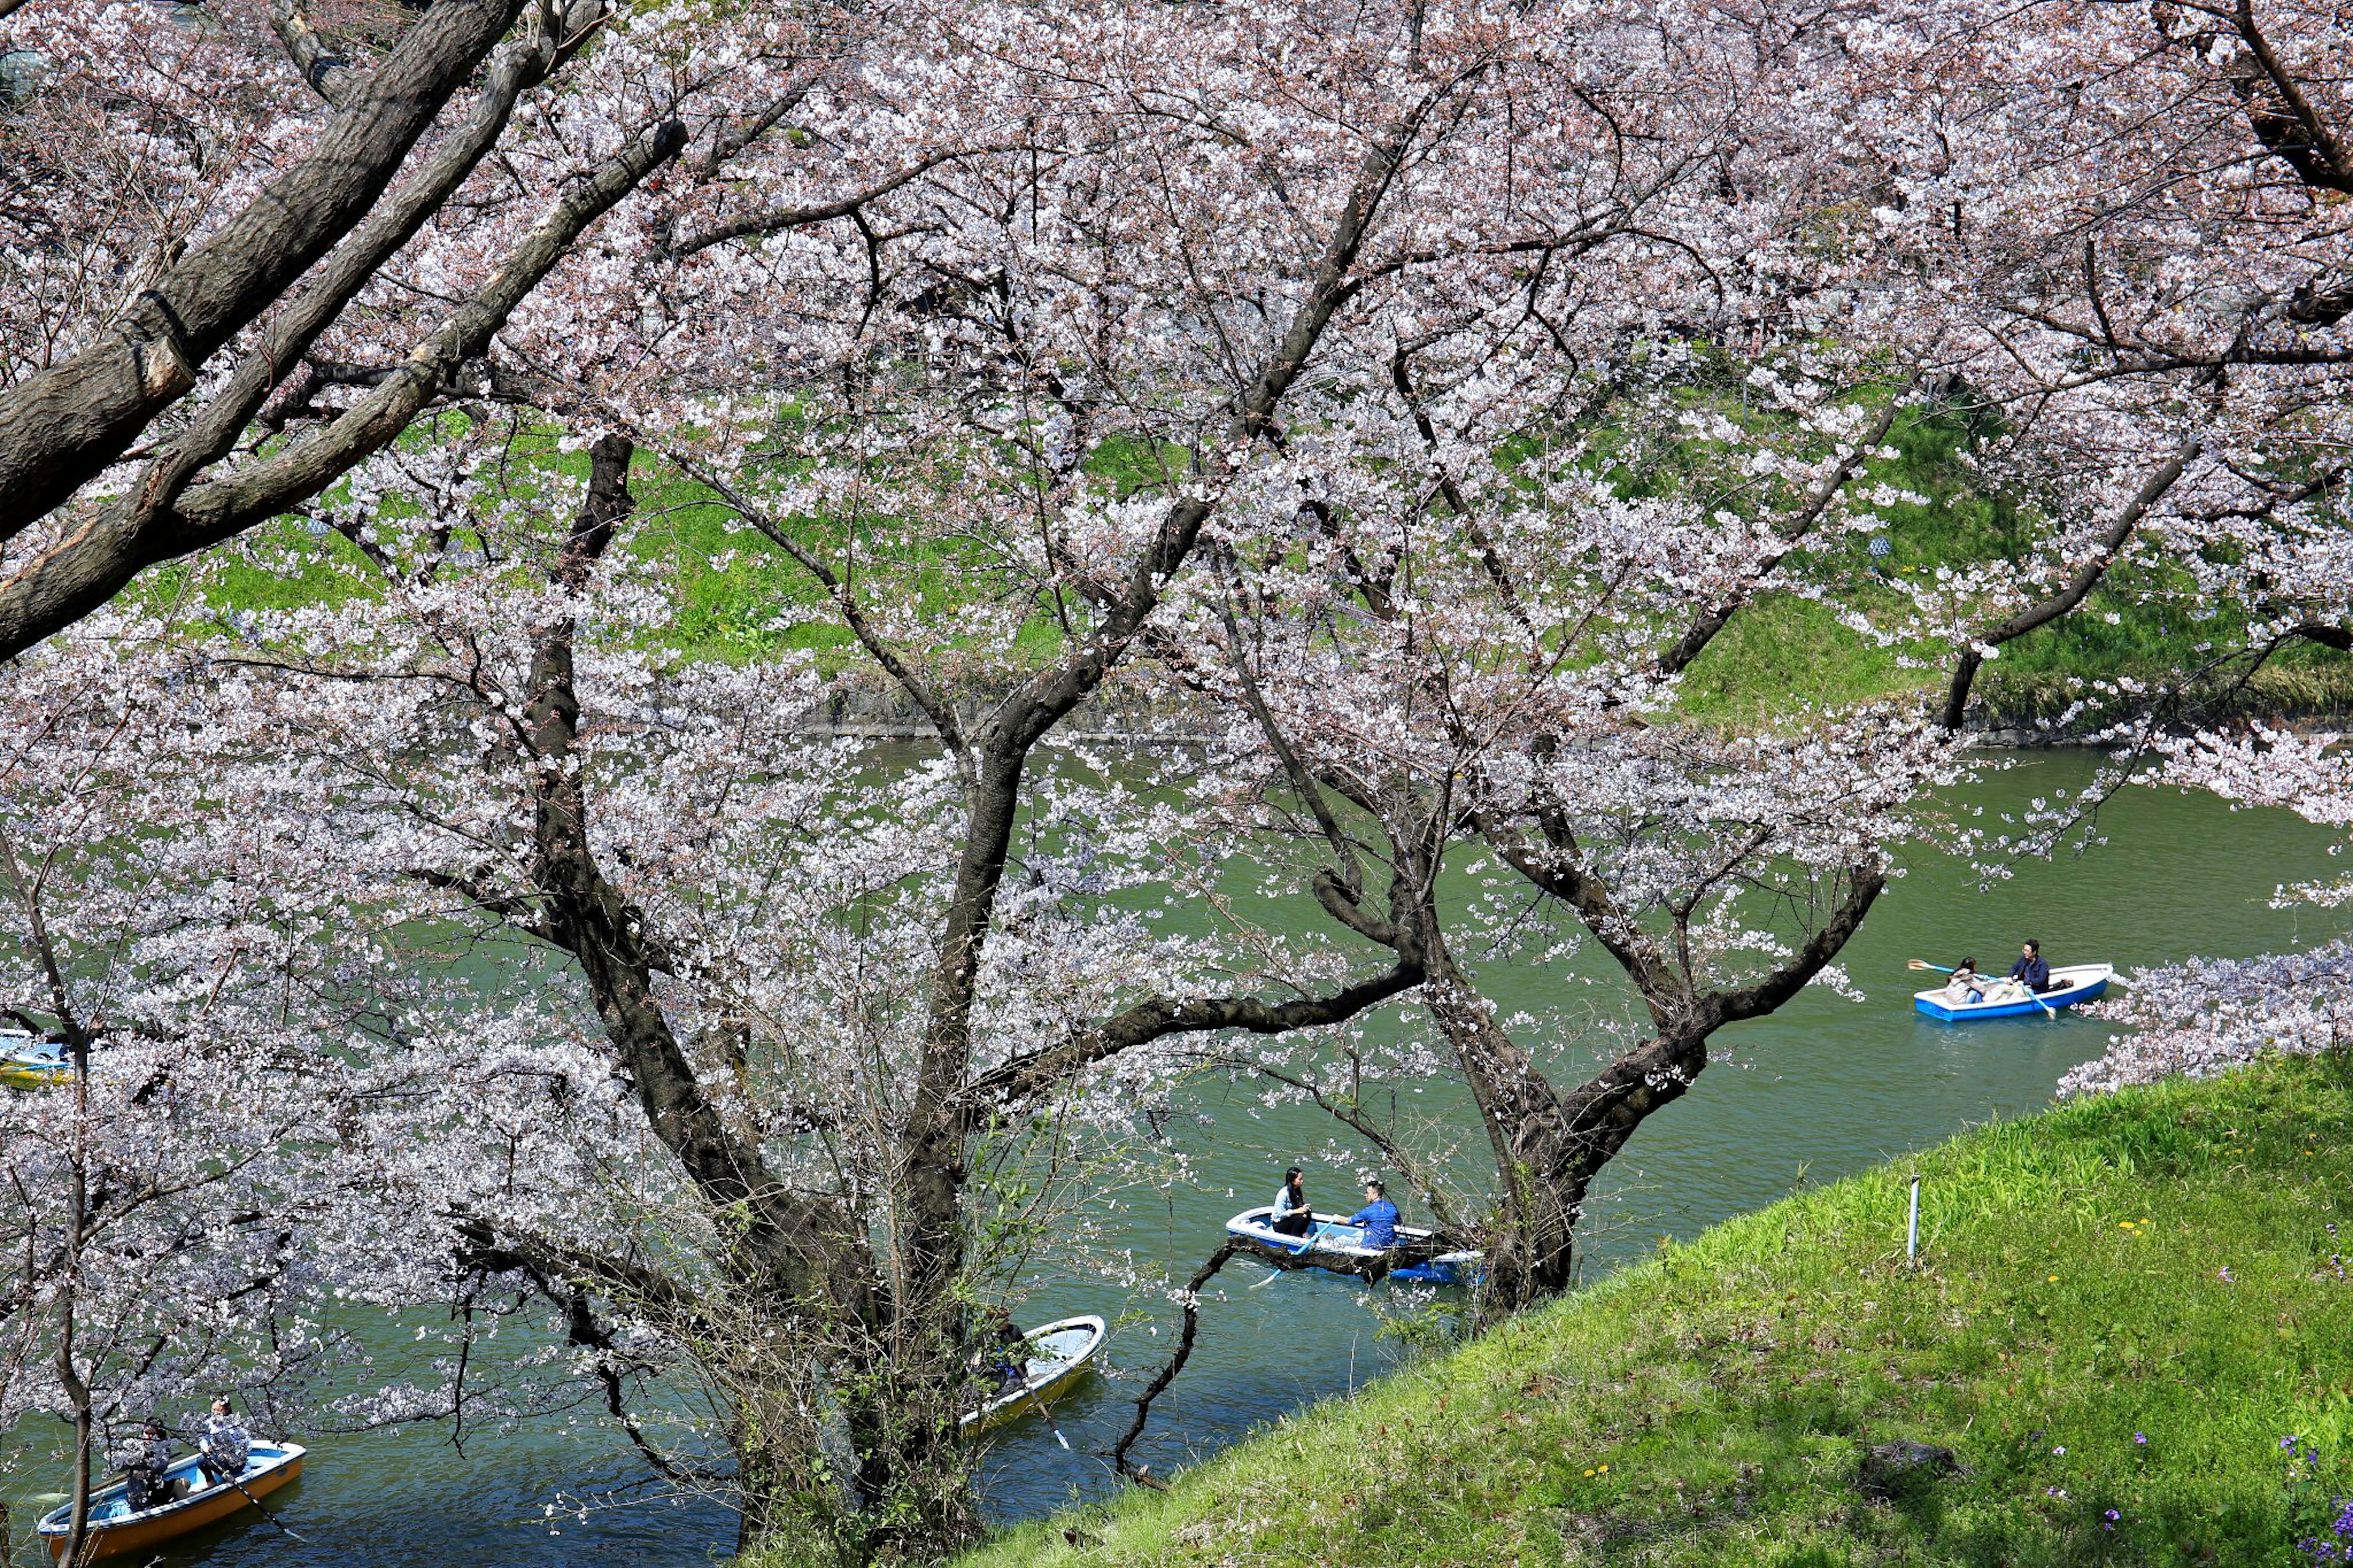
1379	1216
2031	971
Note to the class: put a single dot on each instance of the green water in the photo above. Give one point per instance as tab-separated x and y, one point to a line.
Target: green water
1823	1087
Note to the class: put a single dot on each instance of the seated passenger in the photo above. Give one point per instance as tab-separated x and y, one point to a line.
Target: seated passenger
1965	985
2030	971
1004	1345
1379	1216
1291	1214
146	1467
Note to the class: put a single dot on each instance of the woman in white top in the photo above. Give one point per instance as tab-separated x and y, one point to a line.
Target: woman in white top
1290	1215
1965	985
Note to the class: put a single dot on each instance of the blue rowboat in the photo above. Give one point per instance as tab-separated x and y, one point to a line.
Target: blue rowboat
2070	987
1332	1242
26	1062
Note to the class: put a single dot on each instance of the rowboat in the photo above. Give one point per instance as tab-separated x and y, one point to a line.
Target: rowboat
27	1061
1332	1242
2070	987
116	1531
1055	1356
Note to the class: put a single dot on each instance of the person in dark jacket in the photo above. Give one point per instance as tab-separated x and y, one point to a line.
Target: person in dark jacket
146	1467
1005	1348
1292	1216
2030	971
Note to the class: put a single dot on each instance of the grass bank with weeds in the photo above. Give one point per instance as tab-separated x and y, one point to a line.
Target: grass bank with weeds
2132	1323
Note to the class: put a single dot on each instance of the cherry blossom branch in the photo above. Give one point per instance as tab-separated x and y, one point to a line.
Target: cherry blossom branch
92	564
59	427
1024	1076
935	707
802	215
1793	534
329	75
2315	152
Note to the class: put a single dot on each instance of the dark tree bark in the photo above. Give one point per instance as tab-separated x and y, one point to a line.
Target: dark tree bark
63	427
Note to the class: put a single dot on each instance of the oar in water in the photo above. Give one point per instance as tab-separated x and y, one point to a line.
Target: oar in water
266	1513
1044	1415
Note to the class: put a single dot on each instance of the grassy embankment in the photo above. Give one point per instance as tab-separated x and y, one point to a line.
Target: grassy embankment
2123	1308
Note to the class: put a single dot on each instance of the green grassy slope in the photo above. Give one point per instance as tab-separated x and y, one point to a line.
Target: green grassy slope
2123	1305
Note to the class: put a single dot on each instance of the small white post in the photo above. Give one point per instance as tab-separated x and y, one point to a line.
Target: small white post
1911	1232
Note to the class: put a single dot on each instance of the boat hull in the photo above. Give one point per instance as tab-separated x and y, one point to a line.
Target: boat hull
269	1467
1332	1243
1071	1344
28	1063
31	1075
2084	983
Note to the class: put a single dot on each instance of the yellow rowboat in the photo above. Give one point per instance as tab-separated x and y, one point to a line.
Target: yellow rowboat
29	1063
1055	1357
115	1531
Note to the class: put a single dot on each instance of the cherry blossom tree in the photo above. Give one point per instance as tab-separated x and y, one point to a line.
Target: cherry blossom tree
282	247
1496	685
150	1214
2133	225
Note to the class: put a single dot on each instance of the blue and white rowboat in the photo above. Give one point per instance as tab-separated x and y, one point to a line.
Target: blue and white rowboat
1330	1237
2070	986
26	1062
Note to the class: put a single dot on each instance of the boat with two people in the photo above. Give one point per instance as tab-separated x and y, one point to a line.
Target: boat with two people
1333	1244
1053	1357
2070	986
118	1529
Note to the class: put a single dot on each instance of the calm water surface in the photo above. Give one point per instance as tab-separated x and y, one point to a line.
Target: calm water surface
1827	1087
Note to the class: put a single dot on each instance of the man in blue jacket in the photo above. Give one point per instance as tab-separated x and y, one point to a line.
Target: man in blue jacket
2030	971
1379	1216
